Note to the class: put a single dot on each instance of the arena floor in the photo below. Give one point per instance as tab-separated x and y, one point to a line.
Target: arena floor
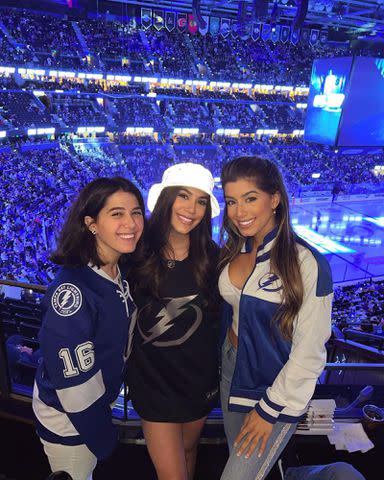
351	235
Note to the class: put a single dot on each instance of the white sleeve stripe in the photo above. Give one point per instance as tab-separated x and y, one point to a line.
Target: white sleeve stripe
268	409
52	419
80	397
246	402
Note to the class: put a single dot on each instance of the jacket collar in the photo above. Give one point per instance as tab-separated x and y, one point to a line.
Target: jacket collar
263	250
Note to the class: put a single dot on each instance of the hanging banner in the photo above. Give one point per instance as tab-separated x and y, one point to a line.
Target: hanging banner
192	24
275	34
204	31
314	37
248	31
256	31
304	37
284	33
235	28
158	19
323	36
295	36
182	22
146	17
245	31
214	26
225	27
266	32
170	21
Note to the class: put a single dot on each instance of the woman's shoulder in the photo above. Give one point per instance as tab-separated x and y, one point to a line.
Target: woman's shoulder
314	266
69	273
308	254
70	277
71	292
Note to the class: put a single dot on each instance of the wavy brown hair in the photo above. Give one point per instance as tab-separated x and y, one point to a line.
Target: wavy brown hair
284	256
150	267
76	245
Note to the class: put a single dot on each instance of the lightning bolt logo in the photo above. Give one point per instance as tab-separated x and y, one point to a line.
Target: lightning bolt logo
66	297
167	316
270	283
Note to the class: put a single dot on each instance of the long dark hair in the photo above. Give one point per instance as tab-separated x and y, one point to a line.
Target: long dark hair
151	267
76	245
284	256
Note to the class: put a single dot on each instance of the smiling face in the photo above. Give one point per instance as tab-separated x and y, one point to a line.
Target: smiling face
188	210
250	209
118	226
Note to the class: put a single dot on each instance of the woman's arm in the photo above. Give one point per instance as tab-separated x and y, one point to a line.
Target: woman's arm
294	385
72	366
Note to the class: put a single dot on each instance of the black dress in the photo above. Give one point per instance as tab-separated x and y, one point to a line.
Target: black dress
172	372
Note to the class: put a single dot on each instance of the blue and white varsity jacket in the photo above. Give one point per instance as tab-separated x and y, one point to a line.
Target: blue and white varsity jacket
272	375
83	339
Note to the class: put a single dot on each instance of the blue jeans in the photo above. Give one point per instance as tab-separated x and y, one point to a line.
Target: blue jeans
241	468
333	471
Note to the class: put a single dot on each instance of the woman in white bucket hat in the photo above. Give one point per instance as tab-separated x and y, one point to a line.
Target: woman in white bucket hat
172	372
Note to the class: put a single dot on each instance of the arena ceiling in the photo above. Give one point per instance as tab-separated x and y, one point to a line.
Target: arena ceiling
354	15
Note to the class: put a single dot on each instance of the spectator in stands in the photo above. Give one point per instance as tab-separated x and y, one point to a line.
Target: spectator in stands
173	374
22	360
79	377
292	468
332	471
276	321
30	222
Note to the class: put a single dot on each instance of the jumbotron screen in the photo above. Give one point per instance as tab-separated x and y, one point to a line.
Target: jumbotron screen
362	122
346	102
326	98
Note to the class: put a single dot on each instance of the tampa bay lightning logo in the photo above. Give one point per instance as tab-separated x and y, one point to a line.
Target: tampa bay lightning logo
167	317
66	299
270	282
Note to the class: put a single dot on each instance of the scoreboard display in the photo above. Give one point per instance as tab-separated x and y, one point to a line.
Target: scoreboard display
346	102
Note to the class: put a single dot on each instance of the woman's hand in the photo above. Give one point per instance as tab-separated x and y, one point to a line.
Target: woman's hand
253	430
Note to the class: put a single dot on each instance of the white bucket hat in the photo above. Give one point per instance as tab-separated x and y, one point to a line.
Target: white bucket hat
185	175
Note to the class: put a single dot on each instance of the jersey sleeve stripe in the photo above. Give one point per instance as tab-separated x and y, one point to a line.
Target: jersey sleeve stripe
53	420
80	397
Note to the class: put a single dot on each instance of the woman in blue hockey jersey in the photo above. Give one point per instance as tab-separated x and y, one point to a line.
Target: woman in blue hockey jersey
277	318
86	326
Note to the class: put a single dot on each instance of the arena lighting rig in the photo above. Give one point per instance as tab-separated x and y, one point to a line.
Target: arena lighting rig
132	130
225	85
90	130
40	131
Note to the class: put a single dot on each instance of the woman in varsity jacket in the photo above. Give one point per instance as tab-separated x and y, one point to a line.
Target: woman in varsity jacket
86	325
276	321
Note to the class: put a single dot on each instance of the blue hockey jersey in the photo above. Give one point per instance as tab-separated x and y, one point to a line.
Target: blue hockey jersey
83	339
